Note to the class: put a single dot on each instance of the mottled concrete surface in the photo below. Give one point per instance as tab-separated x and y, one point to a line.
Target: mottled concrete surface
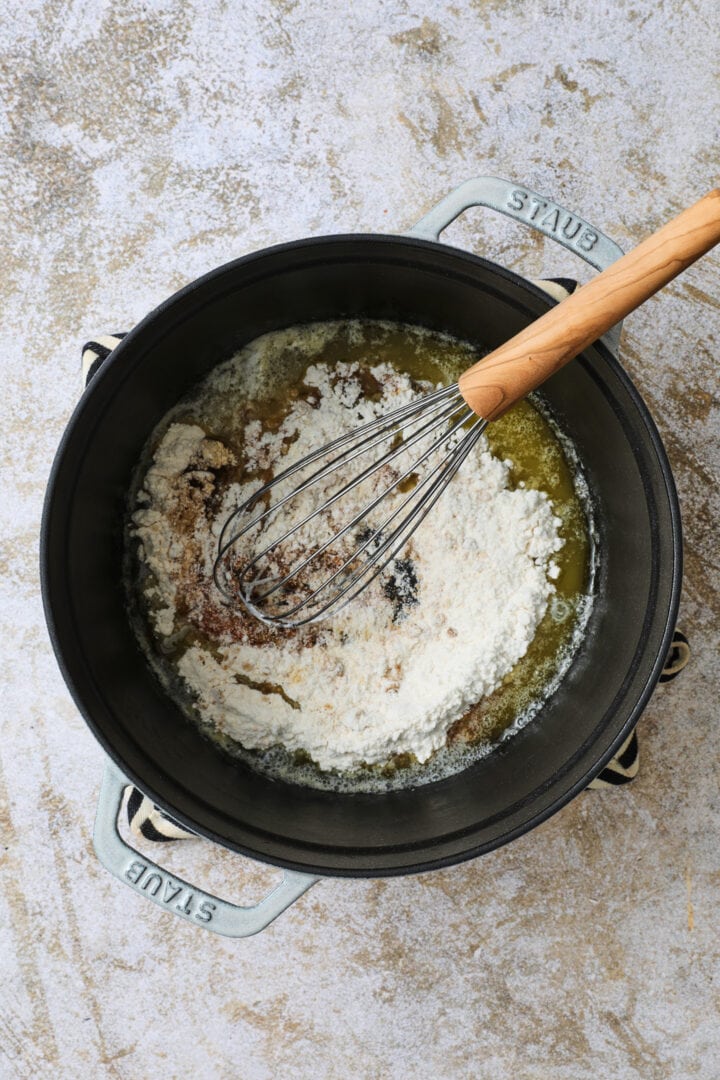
144	143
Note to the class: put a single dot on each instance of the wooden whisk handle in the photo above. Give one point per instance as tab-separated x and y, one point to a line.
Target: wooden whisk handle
510	372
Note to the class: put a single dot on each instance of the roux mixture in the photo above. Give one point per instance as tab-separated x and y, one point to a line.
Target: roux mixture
430	666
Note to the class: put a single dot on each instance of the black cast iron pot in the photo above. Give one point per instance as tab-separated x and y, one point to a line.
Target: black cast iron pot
414	279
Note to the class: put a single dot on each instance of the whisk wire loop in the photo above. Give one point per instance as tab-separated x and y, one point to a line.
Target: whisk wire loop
396	541
372	538
445	416
434	424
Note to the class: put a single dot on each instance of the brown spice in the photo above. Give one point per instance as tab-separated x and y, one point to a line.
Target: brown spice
198	602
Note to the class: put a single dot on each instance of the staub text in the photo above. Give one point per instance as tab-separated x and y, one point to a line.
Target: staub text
171	893
552	218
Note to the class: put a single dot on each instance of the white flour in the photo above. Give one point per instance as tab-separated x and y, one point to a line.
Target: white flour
363	686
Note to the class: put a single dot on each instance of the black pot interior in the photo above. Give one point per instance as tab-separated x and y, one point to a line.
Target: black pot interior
499	797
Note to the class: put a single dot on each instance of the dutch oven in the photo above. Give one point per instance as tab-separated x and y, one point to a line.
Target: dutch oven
312	833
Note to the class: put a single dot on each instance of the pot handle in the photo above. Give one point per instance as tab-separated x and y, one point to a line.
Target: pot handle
172	893
537	211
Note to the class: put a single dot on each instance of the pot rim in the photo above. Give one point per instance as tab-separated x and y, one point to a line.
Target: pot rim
109	368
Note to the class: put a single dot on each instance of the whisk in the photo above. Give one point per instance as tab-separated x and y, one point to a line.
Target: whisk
328	525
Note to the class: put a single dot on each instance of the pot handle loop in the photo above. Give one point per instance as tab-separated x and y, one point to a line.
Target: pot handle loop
173	893
530	208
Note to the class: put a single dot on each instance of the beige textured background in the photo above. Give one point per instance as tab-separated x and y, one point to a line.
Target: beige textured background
144	143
